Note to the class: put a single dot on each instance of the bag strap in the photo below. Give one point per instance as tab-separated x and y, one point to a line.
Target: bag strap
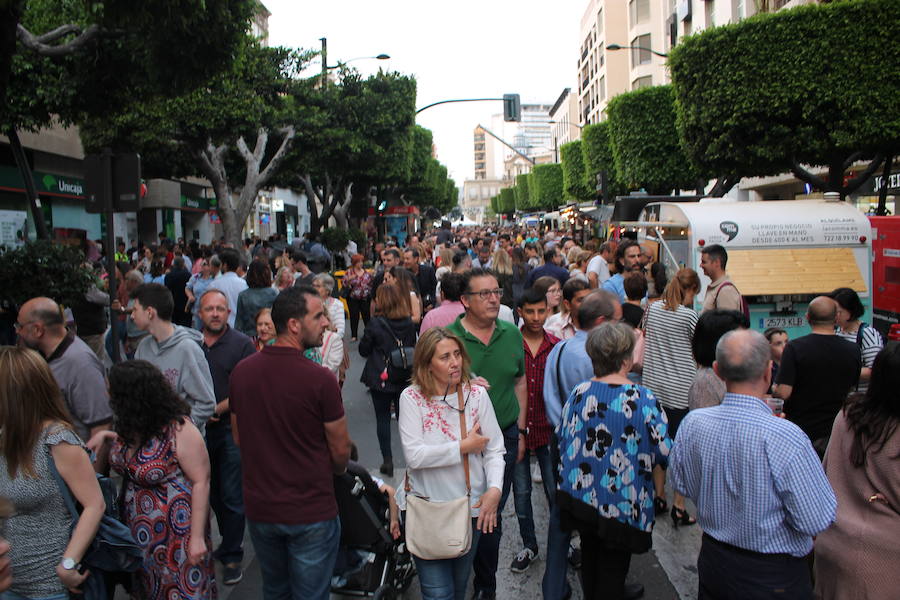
387	326
559	389
462	433
859	334
64	490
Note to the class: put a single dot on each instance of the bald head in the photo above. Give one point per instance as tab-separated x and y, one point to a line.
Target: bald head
742	355
597	307
43	310
822	311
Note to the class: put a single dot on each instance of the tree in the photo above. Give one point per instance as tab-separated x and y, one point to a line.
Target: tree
780	91
598	159
575	183
645	144
205	131
506	202
53	270
523	198
545	186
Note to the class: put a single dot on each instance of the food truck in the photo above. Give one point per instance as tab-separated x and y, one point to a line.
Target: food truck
781	254
886	274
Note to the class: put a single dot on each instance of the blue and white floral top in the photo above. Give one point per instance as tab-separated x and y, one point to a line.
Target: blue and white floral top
610	438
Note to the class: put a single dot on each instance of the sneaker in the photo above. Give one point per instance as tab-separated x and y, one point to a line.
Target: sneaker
232	574
523	560
536	473
575	557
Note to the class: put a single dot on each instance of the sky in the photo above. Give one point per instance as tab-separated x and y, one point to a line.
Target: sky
461	49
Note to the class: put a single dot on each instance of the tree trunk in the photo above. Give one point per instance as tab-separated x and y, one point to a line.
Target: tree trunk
723	185
834	180
341	210
34	203
881	211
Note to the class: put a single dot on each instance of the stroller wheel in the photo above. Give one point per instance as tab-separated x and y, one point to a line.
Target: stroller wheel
385	592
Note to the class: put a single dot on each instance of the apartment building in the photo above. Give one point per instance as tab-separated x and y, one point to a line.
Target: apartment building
564	126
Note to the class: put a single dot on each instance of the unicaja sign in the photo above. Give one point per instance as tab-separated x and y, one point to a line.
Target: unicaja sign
54	184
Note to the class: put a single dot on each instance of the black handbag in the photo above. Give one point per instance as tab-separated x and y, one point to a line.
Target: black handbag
402	357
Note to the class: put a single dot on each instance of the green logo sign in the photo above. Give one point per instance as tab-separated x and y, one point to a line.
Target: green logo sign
49	182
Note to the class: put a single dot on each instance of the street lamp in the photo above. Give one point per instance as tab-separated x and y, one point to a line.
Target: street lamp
619	47
325	66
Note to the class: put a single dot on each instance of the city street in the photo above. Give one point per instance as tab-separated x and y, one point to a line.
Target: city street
668	571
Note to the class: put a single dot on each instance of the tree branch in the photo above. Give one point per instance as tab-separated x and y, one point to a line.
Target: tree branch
851	159
286	142
853	184
39	44
804	175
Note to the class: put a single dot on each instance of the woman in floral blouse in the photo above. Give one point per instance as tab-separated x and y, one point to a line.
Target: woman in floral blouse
360	283
611	435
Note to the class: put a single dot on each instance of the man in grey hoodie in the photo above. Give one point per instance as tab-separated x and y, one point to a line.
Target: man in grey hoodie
174	350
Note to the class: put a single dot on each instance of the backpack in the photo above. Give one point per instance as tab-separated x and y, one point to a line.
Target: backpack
398	364
745	306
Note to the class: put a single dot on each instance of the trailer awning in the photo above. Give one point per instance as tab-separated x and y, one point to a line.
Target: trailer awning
786	271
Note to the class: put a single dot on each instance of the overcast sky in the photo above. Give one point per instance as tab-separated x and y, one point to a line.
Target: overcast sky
461	49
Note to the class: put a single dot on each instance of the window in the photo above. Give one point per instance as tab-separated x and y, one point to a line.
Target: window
600	20
601	88
638	12
642	82
738	9
710	10
640	52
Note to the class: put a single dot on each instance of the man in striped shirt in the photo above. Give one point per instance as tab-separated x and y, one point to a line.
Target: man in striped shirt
760	490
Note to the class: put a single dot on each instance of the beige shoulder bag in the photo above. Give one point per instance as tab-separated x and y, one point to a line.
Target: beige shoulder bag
440	530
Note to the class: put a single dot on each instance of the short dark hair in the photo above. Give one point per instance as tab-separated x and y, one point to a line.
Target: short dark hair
716	252
772	332
230	258
289	304
711	326
849	301
459	257
574	285
624	245
505	236
156	296
392	251
635	285
299	256
550	254
471	274
452	286
413	251
259	275
532	296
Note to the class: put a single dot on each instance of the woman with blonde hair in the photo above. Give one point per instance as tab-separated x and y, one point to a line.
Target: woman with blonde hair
284	278
391	330
669	367
579	264
403	279
502	268
37	434
434	447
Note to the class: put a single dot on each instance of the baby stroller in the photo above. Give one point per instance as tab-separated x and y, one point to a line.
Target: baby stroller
370	562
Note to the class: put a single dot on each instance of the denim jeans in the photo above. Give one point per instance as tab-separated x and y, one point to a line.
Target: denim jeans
447	579
554	584
296	560
522	492
225	494
488	553
15	596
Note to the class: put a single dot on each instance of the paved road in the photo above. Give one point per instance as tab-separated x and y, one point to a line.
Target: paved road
668	571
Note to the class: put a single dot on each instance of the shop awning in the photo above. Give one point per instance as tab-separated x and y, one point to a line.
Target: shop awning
785	271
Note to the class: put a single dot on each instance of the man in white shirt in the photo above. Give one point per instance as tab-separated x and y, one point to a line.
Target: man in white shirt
598	266
229	282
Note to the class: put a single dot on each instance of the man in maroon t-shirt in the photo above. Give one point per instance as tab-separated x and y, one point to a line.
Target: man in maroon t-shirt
288	419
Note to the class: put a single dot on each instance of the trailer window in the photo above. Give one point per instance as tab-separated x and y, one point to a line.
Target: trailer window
793	271
892	275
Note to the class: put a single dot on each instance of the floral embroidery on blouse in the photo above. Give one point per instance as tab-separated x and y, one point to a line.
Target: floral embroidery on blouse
436	412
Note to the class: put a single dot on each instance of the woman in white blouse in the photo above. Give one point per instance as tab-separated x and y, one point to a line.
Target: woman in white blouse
324	284
434	447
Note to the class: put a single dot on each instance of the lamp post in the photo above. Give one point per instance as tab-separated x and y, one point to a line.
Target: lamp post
650	50
325	67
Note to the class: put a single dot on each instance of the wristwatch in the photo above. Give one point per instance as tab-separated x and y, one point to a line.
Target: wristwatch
69	564
523	431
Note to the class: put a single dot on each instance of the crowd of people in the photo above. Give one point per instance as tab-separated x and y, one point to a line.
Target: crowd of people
495	352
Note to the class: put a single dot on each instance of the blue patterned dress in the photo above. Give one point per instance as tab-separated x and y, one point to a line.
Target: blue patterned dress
610	438
157	507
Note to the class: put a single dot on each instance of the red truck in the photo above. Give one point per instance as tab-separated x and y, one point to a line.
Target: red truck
886	276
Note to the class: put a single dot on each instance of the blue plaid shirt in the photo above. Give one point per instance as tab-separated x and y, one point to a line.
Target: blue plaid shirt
757	482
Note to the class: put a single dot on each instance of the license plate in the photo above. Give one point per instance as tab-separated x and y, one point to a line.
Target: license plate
783	322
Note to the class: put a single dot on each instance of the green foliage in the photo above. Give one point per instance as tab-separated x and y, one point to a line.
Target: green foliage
495	204
149	48
546	186
814	83
523	200
335	238
575	183
359	236
598	158
43	268
506	202
645	144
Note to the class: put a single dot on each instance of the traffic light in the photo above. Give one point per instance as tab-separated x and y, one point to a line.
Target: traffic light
512	107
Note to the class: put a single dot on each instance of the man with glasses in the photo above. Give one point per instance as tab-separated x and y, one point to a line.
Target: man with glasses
498	360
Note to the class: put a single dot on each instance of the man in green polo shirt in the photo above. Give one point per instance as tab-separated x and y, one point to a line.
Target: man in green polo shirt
497	353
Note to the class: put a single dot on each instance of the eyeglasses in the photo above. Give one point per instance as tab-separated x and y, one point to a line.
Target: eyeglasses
485	294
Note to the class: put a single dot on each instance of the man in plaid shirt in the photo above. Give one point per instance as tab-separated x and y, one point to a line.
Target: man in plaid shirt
538	343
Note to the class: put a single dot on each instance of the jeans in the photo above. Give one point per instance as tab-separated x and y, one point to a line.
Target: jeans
357	307
447	579
554	584
488	553
225	494
296	560
15	596
382	402
522	492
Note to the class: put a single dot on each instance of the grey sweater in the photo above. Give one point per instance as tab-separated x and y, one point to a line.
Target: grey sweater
182	362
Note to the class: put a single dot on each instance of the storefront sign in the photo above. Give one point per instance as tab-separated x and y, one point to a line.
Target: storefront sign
12	225
193	202
46	183
893	183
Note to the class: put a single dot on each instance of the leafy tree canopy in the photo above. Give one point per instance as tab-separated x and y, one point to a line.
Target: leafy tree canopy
506	202
545	186
598	158
575	183
523	198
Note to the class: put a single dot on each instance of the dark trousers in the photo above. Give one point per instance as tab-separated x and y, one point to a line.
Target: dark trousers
382	402
728	572
357	307
488	554
603	570
225	495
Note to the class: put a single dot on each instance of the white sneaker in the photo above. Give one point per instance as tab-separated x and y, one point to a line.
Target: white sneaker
523	560
536	473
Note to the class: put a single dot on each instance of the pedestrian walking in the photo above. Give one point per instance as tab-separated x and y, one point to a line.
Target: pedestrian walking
176	281
324	285
451	306
258	295
359	282
707	388
628	260
564	324
721	293
229	281
848	326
